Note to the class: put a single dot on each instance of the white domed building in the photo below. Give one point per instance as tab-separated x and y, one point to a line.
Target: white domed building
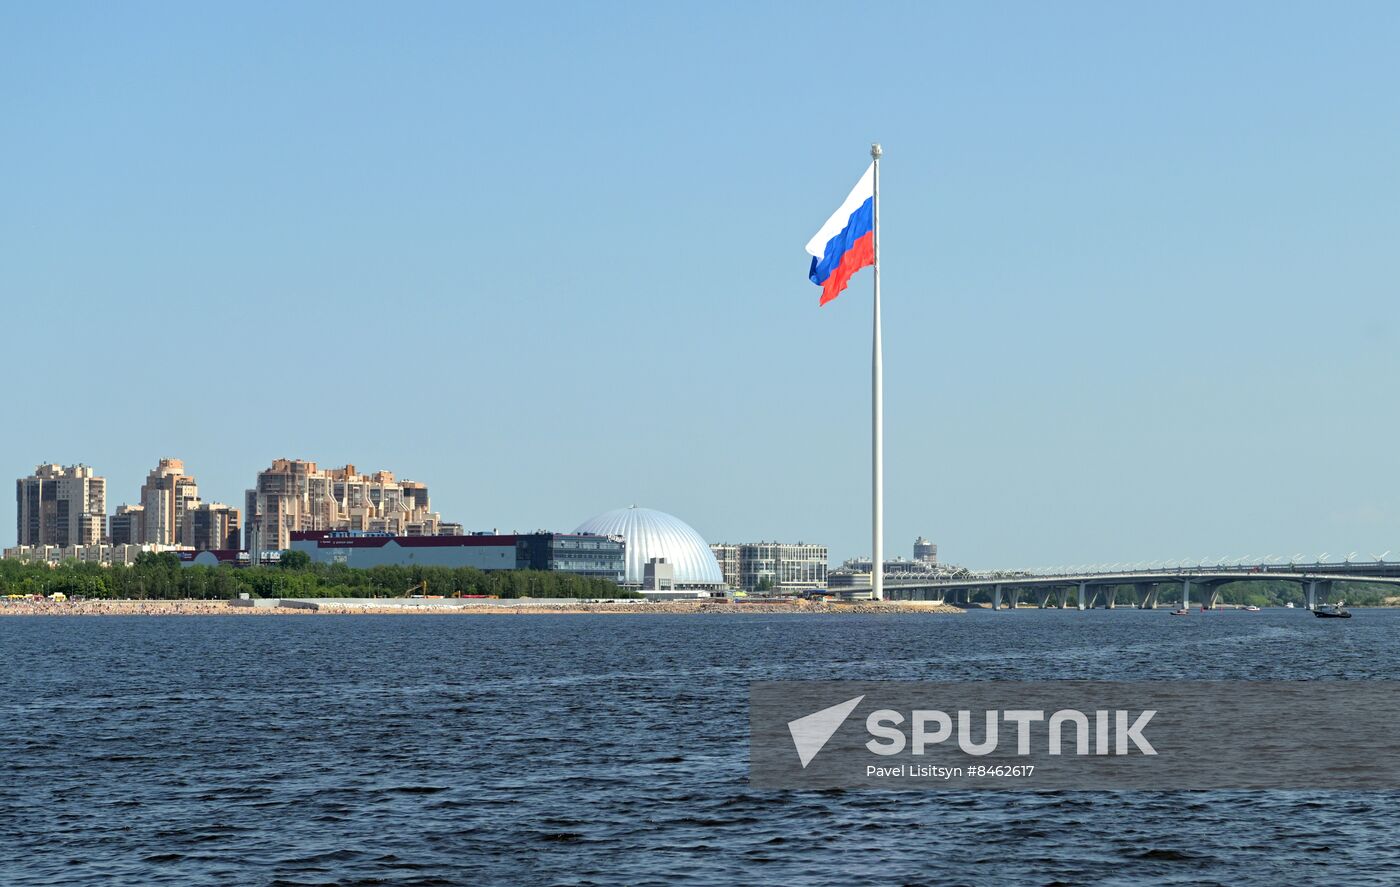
655	535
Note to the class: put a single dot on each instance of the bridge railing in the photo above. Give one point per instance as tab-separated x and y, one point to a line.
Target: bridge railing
1174	569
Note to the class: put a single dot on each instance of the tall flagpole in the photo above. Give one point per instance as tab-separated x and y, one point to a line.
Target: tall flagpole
877	558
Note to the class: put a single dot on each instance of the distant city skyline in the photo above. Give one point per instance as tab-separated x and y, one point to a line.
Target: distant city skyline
168	508
1136	260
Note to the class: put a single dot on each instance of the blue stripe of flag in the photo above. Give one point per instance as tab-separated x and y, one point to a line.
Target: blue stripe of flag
861	221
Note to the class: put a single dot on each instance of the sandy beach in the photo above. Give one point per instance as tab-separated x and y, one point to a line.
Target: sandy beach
391	607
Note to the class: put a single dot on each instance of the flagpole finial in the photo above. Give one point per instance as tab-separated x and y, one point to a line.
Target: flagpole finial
876	150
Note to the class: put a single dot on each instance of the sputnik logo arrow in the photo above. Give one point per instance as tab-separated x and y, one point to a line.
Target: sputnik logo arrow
811	732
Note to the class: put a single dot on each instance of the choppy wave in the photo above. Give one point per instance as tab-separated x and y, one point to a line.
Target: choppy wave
595	750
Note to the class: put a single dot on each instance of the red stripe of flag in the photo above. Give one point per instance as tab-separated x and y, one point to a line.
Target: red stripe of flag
861	253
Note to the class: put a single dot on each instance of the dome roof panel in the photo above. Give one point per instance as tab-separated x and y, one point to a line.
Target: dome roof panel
650	534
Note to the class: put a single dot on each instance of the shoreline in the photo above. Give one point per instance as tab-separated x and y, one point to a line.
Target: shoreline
402	607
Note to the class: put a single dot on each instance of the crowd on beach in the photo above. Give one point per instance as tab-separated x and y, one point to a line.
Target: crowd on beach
44	607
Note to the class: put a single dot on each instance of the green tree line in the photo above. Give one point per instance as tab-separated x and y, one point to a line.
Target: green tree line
160	576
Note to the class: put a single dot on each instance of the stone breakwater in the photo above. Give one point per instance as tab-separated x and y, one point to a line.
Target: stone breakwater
389	607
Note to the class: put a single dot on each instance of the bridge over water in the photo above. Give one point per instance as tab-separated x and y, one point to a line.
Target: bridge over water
1318	582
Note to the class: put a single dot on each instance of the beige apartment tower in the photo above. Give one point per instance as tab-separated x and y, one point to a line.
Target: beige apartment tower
166	496
58	505
211	526
293	495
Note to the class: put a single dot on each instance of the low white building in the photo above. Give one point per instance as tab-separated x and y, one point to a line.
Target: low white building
777	566
104	554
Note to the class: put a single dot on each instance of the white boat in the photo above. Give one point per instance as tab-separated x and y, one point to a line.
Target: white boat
1289	605
1251	609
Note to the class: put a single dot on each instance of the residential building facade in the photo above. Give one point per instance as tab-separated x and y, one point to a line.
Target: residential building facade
296	496
779	566
128	525
102	553
728	558
212	526
59	505
167	495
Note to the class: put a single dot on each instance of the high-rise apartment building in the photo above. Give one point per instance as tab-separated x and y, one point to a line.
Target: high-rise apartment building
296	496
59	505
779	566
127	526
211	526
166	496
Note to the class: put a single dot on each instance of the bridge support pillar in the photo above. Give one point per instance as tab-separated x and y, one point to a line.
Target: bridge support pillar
1310	590
1146	594
1042	596
1318	585
1210	595
1186	594
1064	598
1083	592
1110	596
1015	598
996	597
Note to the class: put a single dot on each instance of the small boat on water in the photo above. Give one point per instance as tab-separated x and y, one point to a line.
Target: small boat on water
1181	612
1289	605
1251	609
1335	611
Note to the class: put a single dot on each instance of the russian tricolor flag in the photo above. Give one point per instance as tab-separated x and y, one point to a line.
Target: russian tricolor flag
846	243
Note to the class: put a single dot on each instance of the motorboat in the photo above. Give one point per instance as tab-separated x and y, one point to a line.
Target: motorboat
1181	612
1289	605
1251	609
1334	611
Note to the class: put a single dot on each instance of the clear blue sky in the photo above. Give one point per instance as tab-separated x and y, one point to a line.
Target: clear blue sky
1142	263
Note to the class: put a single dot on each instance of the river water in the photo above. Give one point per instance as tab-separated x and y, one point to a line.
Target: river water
612	749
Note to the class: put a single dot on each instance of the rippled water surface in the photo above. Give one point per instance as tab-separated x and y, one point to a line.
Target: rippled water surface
607	749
